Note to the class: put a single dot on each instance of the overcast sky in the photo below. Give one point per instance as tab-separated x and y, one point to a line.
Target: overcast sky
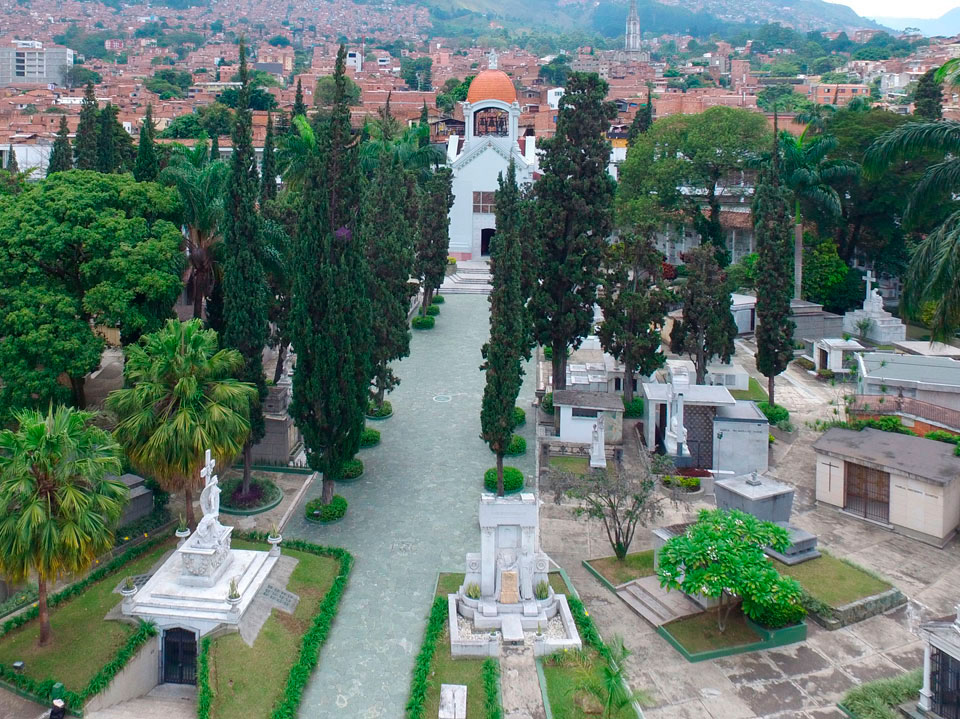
898	8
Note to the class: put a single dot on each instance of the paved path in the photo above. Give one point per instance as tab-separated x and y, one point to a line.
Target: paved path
519	683
414	512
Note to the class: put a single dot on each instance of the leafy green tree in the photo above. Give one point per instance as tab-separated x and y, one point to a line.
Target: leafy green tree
454	91
417	72
721	557
389	243
78	76
85	149
573	198
325	92
57	505
165	430
299	107
556	71
634	302
774	269
509	344
245	301
95	250
707	328
147	168
433	233
12	167
824	271
214	148
928	98
330	310
61	156
206	121
644	117
268	168
257	99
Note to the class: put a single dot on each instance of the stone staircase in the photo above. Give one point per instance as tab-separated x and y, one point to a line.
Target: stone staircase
656	605
472	277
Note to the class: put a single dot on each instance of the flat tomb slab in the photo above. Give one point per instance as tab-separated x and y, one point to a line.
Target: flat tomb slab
512	629
453	701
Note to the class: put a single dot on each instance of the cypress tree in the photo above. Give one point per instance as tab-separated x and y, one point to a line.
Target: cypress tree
85	148
146	168
12	167
388	240
707	329
424	114
773	229
433	232
268	180
643	119
508	345
106	140
299	108
330	310
61	157
215	148
928	98
245	302
574	201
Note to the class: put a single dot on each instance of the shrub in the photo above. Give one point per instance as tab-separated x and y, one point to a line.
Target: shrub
518	445
771	439
774	413
669	271
19	599
491	688
262	492
452	261
369	438
161	497
685	484
825	373
938	435
884	424
439	299
512	479
317	511
519	417
421	322
548	353
352	468
542	590
473	590
423	664
547	404
634	409
880	699
143	526
785	425
777	615
384	410
433	310
804	363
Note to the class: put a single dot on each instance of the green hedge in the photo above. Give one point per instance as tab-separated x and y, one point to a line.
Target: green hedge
588	631
328	512
634	409
775	413
804	363
423	322
20	599
880	699
512	479
491	688
313	639
438	299
352	468
143	526
518	445
42	691
384	410
687	484
433	310
519	417
423	665
547	403
369	438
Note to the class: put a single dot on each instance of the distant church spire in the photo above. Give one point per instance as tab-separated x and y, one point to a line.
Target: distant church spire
632	42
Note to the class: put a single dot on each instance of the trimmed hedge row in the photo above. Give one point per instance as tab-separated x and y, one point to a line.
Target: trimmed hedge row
491	688
588	631
424	662
311	643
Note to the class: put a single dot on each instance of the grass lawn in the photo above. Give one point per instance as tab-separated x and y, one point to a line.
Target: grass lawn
559	586
82	641
699	633
755	392
448	583
574	465
563	678
247	681
833	581
636	565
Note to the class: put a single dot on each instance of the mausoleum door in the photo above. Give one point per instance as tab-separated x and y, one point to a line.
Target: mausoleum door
179	656
867	492
945	685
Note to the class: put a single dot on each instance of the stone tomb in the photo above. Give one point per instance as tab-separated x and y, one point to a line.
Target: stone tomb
881	326
507	571
772	501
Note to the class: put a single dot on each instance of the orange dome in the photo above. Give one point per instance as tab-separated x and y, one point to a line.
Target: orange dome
492	85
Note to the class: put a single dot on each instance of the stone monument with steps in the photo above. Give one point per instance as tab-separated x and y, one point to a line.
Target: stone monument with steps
880	326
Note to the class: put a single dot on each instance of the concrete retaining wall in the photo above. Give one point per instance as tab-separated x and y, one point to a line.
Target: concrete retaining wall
134	680
861	609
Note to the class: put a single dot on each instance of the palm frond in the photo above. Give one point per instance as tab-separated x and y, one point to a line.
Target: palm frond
911	140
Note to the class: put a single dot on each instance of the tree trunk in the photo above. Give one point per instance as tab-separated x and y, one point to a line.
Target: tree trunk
188	499
79	392
770	390
427	300
499	474
44	611
798	261
701	362
281	361
247	461
559	380
197	297
327	493
721	617
627	383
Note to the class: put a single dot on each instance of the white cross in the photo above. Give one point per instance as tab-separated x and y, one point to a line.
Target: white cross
870	278
207	472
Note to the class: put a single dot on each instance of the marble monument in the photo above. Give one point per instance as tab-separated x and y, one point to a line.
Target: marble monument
872	322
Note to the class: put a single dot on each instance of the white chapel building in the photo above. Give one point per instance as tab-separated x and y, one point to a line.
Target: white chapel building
491	114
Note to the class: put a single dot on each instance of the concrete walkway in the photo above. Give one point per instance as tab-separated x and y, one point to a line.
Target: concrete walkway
413	512
522	698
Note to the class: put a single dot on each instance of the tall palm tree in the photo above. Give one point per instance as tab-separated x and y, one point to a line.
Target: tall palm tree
934	271
386	138
295	151
201	185
815	118
180	400
807	170
57	507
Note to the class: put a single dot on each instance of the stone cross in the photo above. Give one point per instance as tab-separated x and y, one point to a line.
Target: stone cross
870	278
207	472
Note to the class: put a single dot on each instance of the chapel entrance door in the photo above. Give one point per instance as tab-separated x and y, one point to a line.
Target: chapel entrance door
486	234
179	656
867	492
945	685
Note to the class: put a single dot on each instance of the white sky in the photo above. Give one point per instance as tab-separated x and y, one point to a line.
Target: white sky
898	8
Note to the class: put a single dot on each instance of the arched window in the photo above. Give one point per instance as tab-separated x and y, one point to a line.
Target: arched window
491	121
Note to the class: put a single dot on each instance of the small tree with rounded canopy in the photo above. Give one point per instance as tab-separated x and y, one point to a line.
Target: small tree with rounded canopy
181	399
57	507
721	557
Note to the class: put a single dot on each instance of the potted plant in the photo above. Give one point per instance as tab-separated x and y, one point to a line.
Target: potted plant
183	531
128	588
274	538
233	595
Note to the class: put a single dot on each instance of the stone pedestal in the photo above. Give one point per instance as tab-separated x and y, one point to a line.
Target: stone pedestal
203	562
883	328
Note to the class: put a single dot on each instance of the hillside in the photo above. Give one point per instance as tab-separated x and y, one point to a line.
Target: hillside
947	25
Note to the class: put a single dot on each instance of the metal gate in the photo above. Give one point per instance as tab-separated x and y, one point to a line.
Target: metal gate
867	492
179	656
945	685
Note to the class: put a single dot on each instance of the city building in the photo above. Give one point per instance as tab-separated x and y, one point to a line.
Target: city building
28	62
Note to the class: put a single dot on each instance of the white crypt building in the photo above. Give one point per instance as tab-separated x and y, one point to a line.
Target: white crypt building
491	114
